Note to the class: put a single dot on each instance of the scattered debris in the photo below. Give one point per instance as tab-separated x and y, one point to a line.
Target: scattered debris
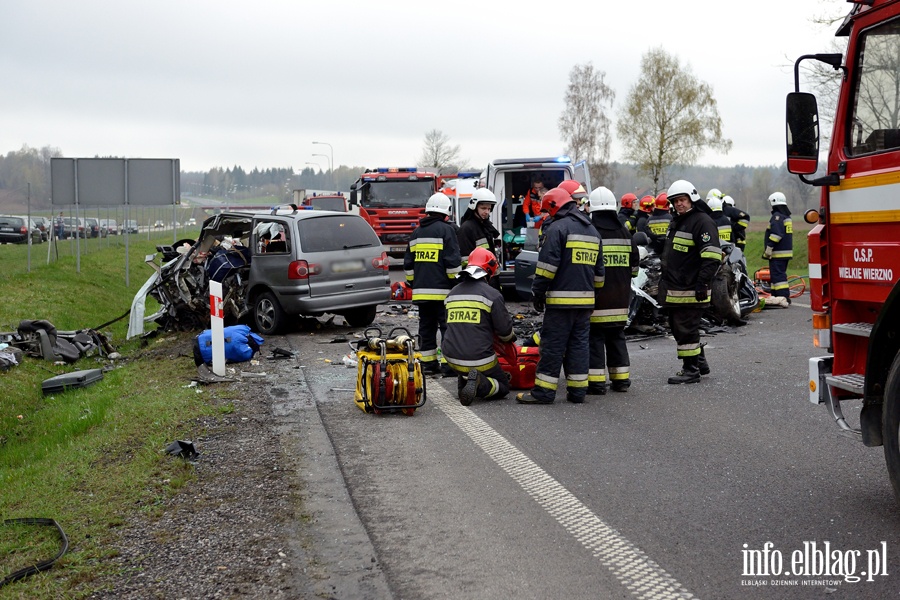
44	564
281	353
183	449
206	376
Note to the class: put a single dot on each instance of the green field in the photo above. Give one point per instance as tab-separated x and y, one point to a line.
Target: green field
87	457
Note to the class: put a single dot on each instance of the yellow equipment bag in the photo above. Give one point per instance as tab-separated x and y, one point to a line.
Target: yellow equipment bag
389	373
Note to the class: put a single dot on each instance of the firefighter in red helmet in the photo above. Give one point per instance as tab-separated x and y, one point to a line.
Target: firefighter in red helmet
626	214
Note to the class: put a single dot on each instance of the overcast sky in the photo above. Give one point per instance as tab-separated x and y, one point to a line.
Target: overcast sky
220	83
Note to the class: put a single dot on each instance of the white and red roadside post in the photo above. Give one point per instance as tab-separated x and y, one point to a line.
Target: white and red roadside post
217	328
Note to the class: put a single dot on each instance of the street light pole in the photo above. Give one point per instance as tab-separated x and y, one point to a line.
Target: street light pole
329	165
331	161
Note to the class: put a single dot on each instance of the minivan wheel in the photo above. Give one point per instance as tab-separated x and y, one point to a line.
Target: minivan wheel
267	314
360	317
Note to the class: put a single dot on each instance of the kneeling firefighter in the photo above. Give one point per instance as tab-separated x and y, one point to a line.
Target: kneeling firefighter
476	314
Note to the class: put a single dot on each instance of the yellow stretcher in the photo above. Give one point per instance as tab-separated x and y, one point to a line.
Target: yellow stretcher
389	373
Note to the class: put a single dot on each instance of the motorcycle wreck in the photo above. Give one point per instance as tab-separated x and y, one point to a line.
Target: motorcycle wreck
732	300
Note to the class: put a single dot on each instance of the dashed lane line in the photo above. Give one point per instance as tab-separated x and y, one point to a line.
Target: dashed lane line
628	563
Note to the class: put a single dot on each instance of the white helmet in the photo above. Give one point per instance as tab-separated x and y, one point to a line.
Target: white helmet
438	203
714	203
482	195
602	199
728	200
713	193
681	188
777	199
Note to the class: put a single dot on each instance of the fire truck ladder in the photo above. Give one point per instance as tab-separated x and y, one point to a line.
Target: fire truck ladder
851	382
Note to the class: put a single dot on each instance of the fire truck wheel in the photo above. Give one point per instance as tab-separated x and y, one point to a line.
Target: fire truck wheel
891	425
268	315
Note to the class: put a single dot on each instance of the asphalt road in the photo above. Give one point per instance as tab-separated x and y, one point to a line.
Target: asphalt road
661	492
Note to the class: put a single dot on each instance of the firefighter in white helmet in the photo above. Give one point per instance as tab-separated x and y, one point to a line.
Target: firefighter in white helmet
779	242
476	229
609	365
689	263
740	221
431	263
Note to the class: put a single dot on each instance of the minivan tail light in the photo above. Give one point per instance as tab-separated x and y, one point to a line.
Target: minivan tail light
382	262
300	269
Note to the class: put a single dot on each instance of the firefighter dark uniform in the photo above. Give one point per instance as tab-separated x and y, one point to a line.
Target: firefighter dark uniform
657	226
690	261
431	263
475	232
723	223
779	242
609	361
569	269
740	221
476	314
627	216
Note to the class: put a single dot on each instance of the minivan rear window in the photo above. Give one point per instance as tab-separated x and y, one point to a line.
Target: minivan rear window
339	232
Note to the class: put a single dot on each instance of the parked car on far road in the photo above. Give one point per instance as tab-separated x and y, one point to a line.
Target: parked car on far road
108	227
15	230
130	226
92	226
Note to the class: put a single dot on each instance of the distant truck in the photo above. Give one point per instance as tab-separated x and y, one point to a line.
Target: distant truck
510	179
392	200
335	202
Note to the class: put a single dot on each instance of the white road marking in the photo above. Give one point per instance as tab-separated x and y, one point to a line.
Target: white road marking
628	563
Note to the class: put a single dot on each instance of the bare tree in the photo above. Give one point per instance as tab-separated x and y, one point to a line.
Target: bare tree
669	118
438	153
584	124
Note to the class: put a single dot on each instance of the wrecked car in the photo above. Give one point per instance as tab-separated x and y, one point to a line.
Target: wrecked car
273	267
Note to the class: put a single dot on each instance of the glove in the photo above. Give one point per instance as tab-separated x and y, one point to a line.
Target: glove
767	255
701	294
539	302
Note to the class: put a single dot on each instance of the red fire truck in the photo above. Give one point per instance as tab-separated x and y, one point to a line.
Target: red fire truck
393	201
854	248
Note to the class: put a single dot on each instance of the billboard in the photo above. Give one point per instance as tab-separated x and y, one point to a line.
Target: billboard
115	181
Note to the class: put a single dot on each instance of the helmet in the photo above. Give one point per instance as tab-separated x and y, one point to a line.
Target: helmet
713	193
482	195
438	203
714	203
482	262
575	189
602	199
628	200
662	201
728	200
647	203
554	200
683	188
777	199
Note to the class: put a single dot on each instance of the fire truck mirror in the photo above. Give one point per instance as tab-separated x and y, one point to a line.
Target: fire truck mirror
802	133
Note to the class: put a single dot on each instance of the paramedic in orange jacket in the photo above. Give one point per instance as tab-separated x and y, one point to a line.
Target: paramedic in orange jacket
531	205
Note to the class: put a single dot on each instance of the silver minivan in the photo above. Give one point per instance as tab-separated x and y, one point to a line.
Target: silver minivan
273	268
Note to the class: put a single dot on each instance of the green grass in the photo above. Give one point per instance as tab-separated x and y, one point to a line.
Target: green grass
87	457
799	265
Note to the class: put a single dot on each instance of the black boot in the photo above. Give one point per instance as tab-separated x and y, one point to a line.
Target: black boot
596	389
690	372
702	364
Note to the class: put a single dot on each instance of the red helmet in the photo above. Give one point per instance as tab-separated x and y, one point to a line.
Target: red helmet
628	200
484	259
554	200
647	203
662	201
575	189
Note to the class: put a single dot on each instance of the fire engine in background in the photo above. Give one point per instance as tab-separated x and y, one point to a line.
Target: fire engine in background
510	179
393	201
854	248
336	202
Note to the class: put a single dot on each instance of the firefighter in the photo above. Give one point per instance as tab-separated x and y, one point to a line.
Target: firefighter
476	229
531	205
626	211
658	223
569	269
689	263
609	362
645	208
713	193
723	223
431	263
740	221
578	193
779	242
476	314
